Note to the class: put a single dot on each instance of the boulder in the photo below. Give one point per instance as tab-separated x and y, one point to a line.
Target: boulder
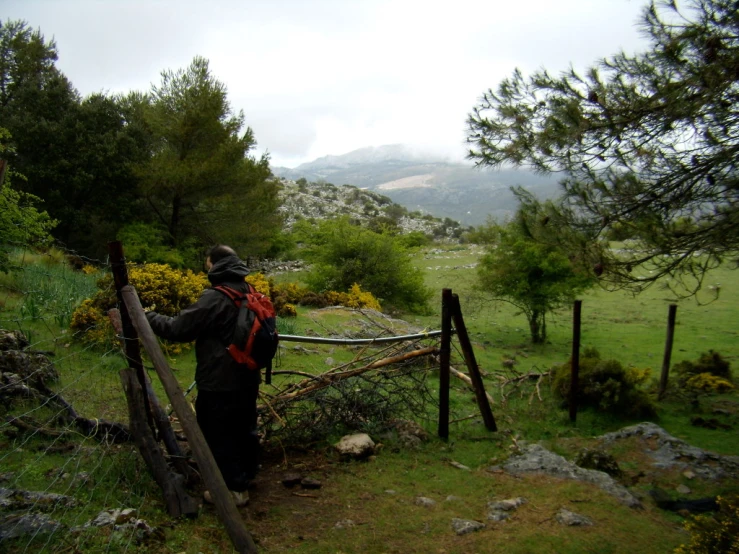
356	446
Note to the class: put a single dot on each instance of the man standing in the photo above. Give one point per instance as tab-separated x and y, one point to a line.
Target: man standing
226	404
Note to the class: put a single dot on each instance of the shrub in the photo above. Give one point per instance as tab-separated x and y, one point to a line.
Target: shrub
606	386
159	287
708	384
345	254
717	533
287	310
259	282
709	362
355	298
291	292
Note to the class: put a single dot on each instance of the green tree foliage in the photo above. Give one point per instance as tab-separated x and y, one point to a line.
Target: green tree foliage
534	276
648	144
200	183
21	223
344	254
76	154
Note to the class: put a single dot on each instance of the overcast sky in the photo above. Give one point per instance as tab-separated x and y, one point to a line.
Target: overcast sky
318	77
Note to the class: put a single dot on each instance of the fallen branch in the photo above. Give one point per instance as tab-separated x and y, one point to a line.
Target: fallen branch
466	378
308	386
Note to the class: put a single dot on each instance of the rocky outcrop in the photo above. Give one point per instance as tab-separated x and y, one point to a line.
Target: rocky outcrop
535	458
670	452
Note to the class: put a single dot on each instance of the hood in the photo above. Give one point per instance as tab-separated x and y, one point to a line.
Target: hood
228	269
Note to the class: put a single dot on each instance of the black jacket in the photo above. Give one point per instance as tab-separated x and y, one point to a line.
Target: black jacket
210	323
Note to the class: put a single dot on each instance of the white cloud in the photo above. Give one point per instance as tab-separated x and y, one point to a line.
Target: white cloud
327	76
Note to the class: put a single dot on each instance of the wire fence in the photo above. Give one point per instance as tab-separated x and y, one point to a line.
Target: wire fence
67	488
63	487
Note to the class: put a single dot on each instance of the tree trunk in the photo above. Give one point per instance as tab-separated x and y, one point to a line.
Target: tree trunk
538	326
174	221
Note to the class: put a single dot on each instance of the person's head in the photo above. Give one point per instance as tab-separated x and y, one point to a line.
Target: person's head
217	253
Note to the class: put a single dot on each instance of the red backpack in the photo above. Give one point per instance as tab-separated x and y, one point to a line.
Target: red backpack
254	340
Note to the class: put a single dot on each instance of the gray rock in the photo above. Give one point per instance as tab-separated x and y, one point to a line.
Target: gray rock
112	517
535	458
566	517
498	515
355	446
14	499
12	340
464	526
459	466
500	510
507	505
19	525
410	434
682	489
344	524
672	452
32	368
593	458
425	501
310	483
291	479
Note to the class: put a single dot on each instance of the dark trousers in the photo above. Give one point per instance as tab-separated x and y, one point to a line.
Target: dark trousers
228	421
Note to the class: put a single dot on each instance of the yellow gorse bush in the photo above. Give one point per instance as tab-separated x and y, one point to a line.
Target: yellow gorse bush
717	533
259	282
166	290
355	298
292	292
708	383
160	288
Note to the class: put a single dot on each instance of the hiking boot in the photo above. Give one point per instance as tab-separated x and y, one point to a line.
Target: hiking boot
240	498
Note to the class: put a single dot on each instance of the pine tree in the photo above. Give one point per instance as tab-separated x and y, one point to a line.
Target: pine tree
647	145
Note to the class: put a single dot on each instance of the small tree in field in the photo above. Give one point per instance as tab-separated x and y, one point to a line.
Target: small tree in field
533	276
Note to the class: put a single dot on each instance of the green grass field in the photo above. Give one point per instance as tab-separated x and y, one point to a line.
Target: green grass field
620	326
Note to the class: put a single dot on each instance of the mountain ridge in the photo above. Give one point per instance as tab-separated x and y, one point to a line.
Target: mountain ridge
422	182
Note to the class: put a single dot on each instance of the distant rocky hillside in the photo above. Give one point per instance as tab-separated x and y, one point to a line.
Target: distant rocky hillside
426	184
306	200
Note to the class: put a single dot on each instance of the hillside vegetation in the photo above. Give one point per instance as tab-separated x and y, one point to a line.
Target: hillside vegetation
358	506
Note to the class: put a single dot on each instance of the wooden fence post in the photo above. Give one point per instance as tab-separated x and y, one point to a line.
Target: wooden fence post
155	414
444	356
668	351
144	407
575	370
222	498
469	358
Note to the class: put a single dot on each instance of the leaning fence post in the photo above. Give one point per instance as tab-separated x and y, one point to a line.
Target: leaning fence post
156	416
668	351
469	358
575	370
130	339
212	477
143	407
444	356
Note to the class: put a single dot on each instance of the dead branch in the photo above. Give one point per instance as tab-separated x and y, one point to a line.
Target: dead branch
309	385
536	390
466	378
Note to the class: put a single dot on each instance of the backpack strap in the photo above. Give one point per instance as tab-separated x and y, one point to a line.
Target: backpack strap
235	295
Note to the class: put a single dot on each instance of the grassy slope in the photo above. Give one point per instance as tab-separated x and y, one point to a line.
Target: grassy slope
630	329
